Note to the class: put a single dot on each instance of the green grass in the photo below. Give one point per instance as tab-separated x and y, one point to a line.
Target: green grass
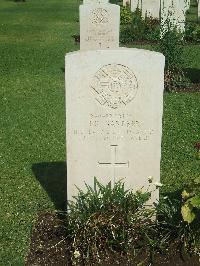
34	37
181	128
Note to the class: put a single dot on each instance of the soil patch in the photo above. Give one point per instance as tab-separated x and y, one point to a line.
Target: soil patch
48	242
50	247
194	87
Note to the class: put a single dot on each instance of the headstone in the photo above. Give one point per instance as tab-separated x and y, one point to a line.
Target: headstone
187	4
151	8
95	1
99	26
114	105
180	10
136	4
184	5
173	14
199	10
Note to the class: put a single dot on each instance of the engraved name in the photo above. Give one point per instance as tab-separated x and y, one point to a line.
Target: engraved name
110	127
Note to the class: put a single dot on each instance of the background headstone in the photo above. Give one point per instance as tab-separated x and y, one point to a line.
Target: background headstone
172	13
184	5
114	102
95	1
151	8
99	26
136	4
187	4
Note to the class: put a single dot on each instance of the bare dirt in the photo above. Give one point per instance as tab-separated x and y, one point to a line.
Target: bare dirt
49	246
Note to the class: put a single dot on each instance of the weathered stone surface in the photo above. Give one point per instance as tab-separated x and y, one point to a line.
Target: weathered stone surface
151	8
114	103
136	4
187	4
99	26
172	13
95	1
184	5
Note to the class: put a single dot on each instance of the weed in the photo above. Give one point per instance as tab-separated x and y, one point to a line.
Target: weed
106	219
171	46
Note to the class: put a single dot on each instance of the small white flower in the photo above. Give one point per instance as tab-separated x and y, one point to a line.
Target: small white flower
76	254
165	197
150	179
158	184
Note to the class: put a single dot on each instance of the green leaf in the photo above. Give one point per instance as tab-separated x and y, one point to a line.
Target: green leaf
195	201
197	181
185	194
187	213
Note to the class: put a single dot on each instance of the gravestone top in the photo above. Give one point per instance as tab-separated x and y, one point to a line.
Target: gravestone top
114	117
99	26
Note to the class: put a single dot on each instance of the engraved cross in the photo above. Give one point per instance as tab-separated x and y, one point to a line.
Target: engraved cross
113	162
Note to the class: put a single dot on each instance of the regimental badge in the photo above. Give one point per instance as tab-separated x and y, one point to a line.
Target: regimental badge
115	85
99	16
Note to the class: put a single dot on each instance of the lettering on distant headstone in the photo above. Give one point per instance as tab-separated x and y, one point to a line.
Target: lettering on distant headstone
99	26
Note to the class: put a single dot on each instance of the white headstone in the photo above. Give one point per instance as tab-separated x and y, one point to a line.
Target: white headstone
136	4
151	8
184	5
95	1
114	104
99	26
172	13
187	4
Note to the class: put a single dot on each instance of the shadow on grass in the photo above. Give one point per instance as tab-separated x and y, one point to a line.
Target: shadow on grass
193	74
175	195
62	69
53	178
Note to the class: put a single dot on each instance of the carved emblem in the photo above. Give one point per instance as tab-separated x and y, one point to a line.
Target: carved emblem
114	85
99	16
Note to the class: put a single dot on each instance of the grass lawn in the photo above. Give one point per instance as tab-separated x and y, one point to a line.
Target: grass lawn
34	37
